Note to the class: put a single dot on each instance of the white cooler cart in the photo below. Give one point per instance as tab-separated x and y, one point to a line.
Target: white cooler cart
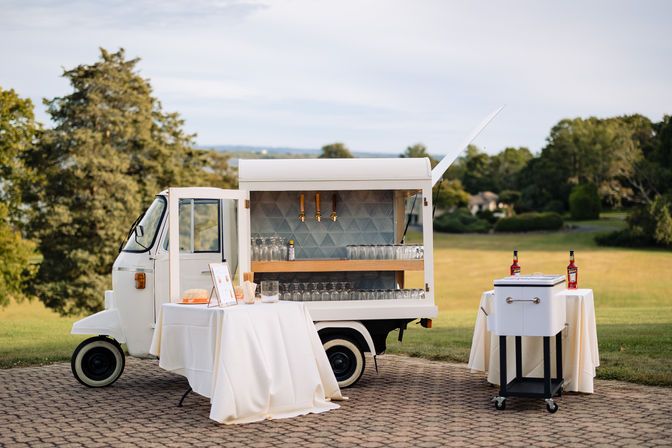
529	305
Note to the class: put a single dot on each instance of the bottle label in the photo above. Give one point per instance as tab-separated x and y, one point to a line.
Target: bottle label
515	271
572	275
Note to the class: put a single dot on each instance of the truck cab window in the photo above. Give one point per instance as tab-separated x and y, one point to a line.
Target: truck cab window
199	226
141	241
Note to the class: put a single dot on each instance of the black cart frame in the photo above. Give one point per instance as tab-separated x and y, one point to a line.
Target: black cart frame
546	387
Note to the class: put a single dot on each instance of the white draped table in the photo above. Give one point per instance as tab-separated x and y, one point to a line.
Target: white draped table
580	355
254	362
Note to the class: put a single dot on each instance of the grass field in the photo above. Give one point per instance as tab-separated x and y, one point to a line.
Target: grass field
631	286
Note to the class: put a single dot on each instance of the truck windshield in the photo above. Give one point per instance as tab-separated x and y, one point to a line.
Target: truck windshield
141	241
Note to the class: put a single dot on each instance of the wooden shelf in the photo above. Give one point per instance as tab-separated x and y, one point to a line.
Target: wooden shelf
335	265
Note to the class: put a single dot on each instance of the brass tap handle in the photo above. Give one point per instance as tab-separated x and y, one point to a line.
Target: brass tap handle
318	215
302	215
333	216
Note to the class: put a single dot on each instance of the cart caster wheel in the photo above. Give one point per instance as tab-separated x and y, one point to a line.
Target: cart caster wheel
551	406
500	403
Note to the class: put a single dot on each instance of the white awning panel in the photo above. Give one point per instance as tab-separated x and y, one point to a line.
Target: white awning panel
311	170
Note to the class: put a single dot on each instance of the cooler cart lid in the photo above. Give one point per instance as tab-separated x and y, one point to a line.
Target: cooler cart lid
530	280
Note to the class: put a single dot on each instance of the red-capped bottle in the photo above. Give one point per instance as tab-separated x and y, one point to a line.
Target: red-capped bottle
515	267
572	272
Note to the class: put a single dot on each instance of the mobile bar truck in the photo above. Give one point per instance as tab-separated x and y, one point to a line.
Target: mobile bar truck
343	219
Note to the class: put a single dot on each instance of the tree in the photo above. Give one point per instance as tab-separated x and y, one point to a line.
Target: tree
447	193
477	172
336	151
17	131
111	149
506	166
419	150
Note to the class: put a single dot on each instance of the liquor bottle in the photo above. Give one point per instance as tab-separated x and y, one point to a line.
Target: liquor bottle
515	267
290	251
572	272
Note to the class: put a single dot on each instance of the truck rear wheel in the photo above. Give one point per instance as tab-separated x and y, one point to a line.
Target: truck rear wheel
346	359
98	361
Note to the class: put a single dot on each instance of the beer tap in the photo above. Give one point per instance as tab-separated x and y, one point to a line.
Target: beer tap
333	216
302	215
318	215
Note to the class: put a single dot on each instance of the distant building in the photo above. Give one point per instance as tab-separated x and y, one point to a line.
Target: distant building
485	200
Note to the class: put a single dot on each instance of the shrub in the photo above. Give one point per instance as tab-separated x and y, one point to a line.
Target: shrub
488	216
461	221
650	225
530	221
584	202
555	206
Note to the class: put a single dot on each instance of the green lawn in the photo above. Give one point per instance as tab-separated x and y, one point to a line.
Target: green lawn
633	306
631	286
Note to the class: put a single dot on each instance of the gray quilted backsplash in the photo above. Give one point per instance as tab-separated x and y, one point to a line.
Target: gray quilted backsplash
364	217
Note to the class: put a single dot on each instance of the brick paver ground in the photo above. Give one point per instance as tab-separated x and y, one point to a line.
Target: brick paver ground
412	402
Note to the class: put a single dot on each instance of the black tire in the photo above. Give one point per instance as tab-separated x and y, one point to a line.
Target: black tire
552	409
500	406
98	361
346	360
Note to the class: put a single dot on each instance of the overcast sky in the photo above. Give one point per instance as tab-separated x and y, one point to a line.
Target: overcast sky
376	75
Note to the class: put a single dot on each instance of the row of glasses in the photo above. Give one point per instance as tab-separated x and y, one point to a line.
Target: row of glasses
385	252
334	291
268	248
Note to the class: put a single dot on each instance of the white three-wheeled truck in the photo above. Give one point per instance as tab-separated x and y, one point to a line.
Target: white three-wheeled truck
366	202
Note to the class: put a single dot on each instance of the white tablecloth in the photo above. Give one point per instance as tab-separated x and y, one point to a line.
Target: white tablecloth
580	355
254	362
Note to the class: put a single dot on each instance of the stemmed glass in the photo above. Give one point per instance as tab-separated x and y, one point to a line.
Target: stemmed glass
335	293
324	296
315	292
306	296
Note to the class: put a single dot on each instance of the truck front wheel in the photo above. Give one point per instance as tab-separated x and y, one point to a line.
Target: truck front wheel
346	359
98	361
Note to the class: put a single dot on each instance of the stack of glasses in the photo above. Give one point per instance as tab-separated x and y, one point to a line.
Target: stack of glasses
332	291
385	252
268	248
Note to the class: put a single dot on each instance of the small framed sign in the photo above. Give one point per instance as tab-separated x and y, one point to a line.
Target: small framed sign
221	279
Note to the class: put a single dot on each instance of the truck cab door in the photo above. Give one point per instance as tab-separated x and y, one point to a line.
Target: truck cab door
212	226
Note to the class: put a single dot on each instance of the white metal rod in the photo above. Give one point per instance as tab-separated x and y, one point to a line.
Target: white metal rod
437	172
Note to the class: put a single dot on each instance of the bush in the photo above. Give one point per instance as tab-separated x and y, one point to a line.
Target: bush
530	221
650	225
461	221
584	202
488	216
555	206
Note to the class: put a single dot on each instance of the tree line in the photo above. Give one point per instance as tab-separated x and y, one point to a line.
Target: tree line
69	193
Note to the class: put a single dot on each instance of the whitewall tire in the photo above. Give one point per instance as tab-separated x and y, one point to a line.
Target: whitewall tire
346	360
98	362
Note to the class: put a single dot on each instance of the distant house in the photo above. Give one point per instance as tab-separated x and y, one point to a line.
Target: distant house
485	200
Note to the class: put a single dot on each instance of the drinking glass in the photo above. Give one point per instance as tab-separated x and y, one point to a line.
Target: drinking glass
335	293
388	252
314	292
306	293
269	290
324	296
296	293
349	252
283	249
